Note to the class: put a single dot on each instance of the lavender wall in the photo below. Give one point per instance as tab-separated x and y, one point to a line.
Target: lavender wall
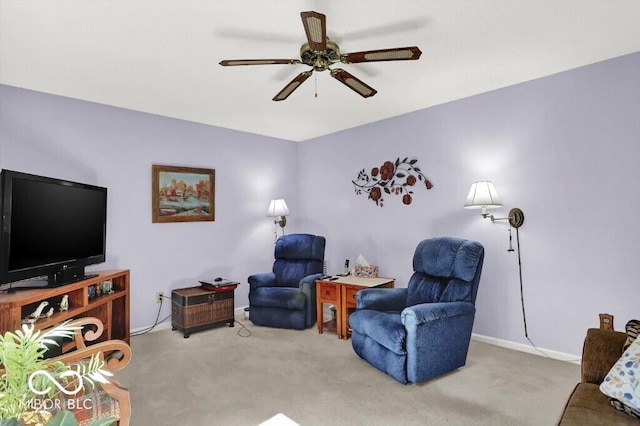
115	148
564	149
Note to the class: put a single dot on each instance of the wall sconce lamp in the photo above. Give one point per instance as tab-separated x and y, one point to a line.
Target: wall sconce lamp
278	209
483	195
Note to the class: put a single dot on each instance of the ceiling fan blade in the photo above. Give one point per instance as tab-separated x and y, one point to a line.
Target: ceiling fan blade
236	62
395	54
293	85
315	25
353	83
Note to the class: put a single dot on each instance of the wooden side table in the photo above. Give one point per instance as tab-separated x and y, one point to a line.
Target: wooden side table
342	293
328	292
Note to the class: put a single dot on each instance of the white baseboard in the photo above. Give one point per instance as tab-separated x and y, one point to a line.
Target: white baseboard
561	356
159	327
167	325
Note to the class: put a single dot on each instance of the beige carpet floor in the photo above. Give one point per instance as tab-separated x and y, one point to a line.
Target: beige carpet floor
217	377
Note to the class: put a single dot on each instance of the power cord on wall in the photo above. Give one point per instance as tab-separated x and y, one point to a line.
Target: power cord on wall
524	314
156	323
243	332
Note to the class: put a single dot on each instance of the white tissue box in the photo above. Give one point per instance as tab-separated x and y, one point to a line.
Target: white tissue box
370	271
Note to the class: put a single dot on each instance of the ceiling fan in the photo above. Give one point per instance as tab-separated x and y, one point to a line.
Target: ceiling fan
320	53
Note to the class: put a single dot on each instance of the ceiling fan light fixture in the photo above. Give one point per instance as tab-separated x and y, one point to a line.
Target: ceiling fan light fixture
320	61
320	53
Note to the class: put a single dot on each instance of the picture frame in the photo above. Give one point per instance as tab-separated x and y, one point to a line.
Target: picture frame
182	194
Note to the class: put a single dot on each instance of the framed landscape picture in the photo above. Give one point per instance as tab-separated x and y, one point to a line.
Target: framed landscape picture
182	194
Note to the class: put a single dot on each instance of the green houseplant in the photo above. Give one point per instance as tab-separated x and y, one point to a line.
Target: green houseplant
22	355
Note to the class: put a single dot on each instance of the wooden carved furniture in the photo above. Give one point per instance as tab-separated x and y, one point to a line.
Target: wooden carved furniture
105	399
91	402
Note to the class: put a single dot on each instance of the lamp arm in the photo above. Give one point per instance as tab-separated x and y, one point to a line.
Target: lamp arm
515	218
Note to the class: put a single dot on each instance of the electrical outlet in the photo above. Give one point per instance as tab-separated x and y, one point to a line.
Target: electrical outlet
159	296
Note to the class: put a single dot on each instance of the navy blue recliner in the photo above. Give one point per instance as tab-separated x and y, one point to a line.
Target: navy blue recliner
424	330
286	297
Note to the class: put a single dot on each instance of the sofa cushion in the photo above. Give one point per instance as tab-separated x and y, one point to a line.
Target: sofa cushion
278	297
588	406
300	247
386	328
423	288
448	257
623	380
288	273
444	271
297	256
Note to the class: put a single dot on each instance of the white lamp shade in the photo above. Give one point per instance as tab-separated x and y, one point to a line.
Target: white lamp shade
278	208
482	194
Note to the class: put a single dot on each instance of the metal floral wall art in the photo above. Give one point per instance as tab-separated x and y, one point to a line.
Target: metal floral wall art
392	178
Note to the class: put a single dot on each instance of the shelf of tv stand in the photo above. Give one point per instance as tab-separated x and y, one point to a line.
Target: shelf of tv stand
112	309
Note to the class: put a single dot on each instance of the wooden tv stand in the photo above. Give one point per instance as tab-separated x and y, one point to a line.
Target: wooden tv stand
112	309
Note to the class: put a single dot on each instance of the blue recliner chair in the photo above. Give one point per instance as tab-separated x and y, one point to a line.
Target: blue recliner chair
424	330
286	297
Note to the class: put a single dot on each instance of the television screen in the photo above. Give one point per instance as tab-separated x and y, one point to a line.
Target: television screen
50	225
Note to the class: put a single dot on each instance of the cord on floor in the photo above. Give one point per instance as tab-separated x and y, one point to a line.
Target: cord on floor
244	331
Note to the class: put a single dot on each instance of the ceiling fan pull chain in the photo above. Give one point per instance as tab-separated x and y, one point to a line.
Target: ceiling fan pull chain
315	76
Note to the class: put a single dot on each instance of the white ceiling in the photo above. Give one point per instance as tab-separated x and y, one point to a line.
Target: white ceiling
161	56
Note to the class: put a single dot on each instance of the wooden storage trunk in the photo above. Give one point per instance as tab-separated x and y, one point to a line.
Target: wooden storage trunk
195	308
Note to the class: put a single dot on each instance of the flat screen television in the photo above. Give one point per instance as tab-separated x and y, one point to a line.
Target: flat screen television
51	229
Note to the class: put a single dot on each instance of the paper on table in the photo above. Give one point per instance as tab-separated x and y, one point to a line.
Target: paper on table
361	261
